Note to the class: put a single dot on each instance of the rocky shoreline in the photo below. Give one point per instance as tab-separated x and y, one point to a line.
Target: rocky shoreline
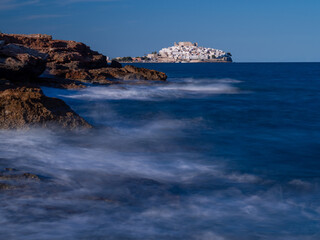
28	62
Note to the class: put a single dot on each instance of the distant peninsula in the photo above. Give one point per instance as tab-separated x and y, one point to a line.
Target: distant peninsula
182	52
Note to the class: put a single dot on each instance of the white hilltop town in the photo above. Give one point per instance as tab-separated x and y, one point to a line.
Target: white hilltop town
183	52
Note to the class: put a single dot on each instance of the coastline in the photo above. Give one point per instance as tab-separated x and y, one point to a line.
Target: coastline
179	62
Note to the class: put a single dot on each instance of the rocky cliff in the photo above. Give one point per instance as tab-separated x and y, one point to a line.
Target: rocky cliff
22	104
23	58
75	60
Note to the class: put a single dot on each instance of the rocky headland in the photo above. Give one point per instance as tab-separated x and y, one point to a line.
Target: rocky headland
28	62
76	61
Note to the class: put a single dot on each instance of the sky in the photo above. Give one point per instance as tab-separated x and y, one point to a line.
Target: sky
252	30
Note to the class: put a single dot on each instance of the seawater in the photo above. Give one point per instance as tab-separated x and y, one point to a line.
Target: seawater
219	151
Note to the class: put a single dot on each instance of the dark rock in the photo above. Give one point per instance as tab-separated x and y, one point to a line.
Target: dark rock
115	64
130	72
30	176
10	169
19	63
14	179
59	83
4	186
227	59
19	176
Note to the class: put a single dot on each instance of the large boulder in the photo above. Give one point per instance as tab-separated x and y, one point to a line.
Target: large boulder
24	107
115	64
19	63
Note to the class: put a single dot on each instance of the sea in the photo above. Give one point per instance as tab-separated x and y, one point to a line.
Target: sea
220	151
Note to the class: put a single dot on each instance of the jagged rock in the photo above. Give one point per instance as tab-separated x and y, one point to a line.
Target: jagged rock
61	54
115	64
19	63
59	51
109	75
145	74
76	61
23	107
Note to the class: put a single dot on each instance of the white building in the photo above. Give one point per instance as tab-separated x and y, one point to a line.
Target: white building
187	51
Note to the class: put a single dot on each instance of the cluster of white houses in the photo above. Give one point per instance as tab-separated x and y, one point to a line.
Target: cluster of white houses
189	52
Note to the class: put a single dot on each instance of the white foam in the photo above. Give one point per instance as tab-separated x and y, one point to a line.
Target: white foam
189	88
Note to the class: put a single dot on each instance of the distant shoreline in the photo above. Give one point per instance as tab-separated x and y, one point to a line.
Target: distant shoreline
182	62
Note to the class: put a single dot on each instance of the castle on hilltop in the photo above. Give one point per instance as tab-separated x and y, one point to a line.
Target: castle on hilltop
185	44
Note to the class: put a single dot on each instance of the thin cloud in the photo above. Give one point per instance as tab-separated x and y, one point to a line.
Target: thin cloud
43	16
66	2
13	4
77	1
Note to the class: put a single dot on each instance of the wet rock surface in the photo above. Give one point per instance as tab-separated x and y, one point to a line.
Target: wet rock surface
59	83
11	178
26	106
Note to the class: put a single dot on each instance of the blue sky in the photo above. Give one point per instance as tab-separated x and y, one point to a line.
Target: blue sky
252	30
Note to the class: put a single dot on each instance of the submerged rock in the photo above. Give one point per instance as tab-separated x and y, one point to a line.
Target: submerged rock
5	186
23	107
11	178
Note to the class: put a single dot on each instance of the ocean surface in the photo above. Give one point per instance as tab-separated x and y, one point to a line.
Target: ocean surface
219	151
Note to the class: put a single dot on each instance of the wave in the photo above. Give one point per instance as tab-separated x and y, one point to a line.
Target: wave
133	183
188	88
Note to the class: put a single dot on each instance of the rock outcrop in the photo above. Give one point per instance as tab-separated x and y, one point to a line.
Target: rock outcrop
18	63
23	58
76	61
24	107
111	75
61	54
